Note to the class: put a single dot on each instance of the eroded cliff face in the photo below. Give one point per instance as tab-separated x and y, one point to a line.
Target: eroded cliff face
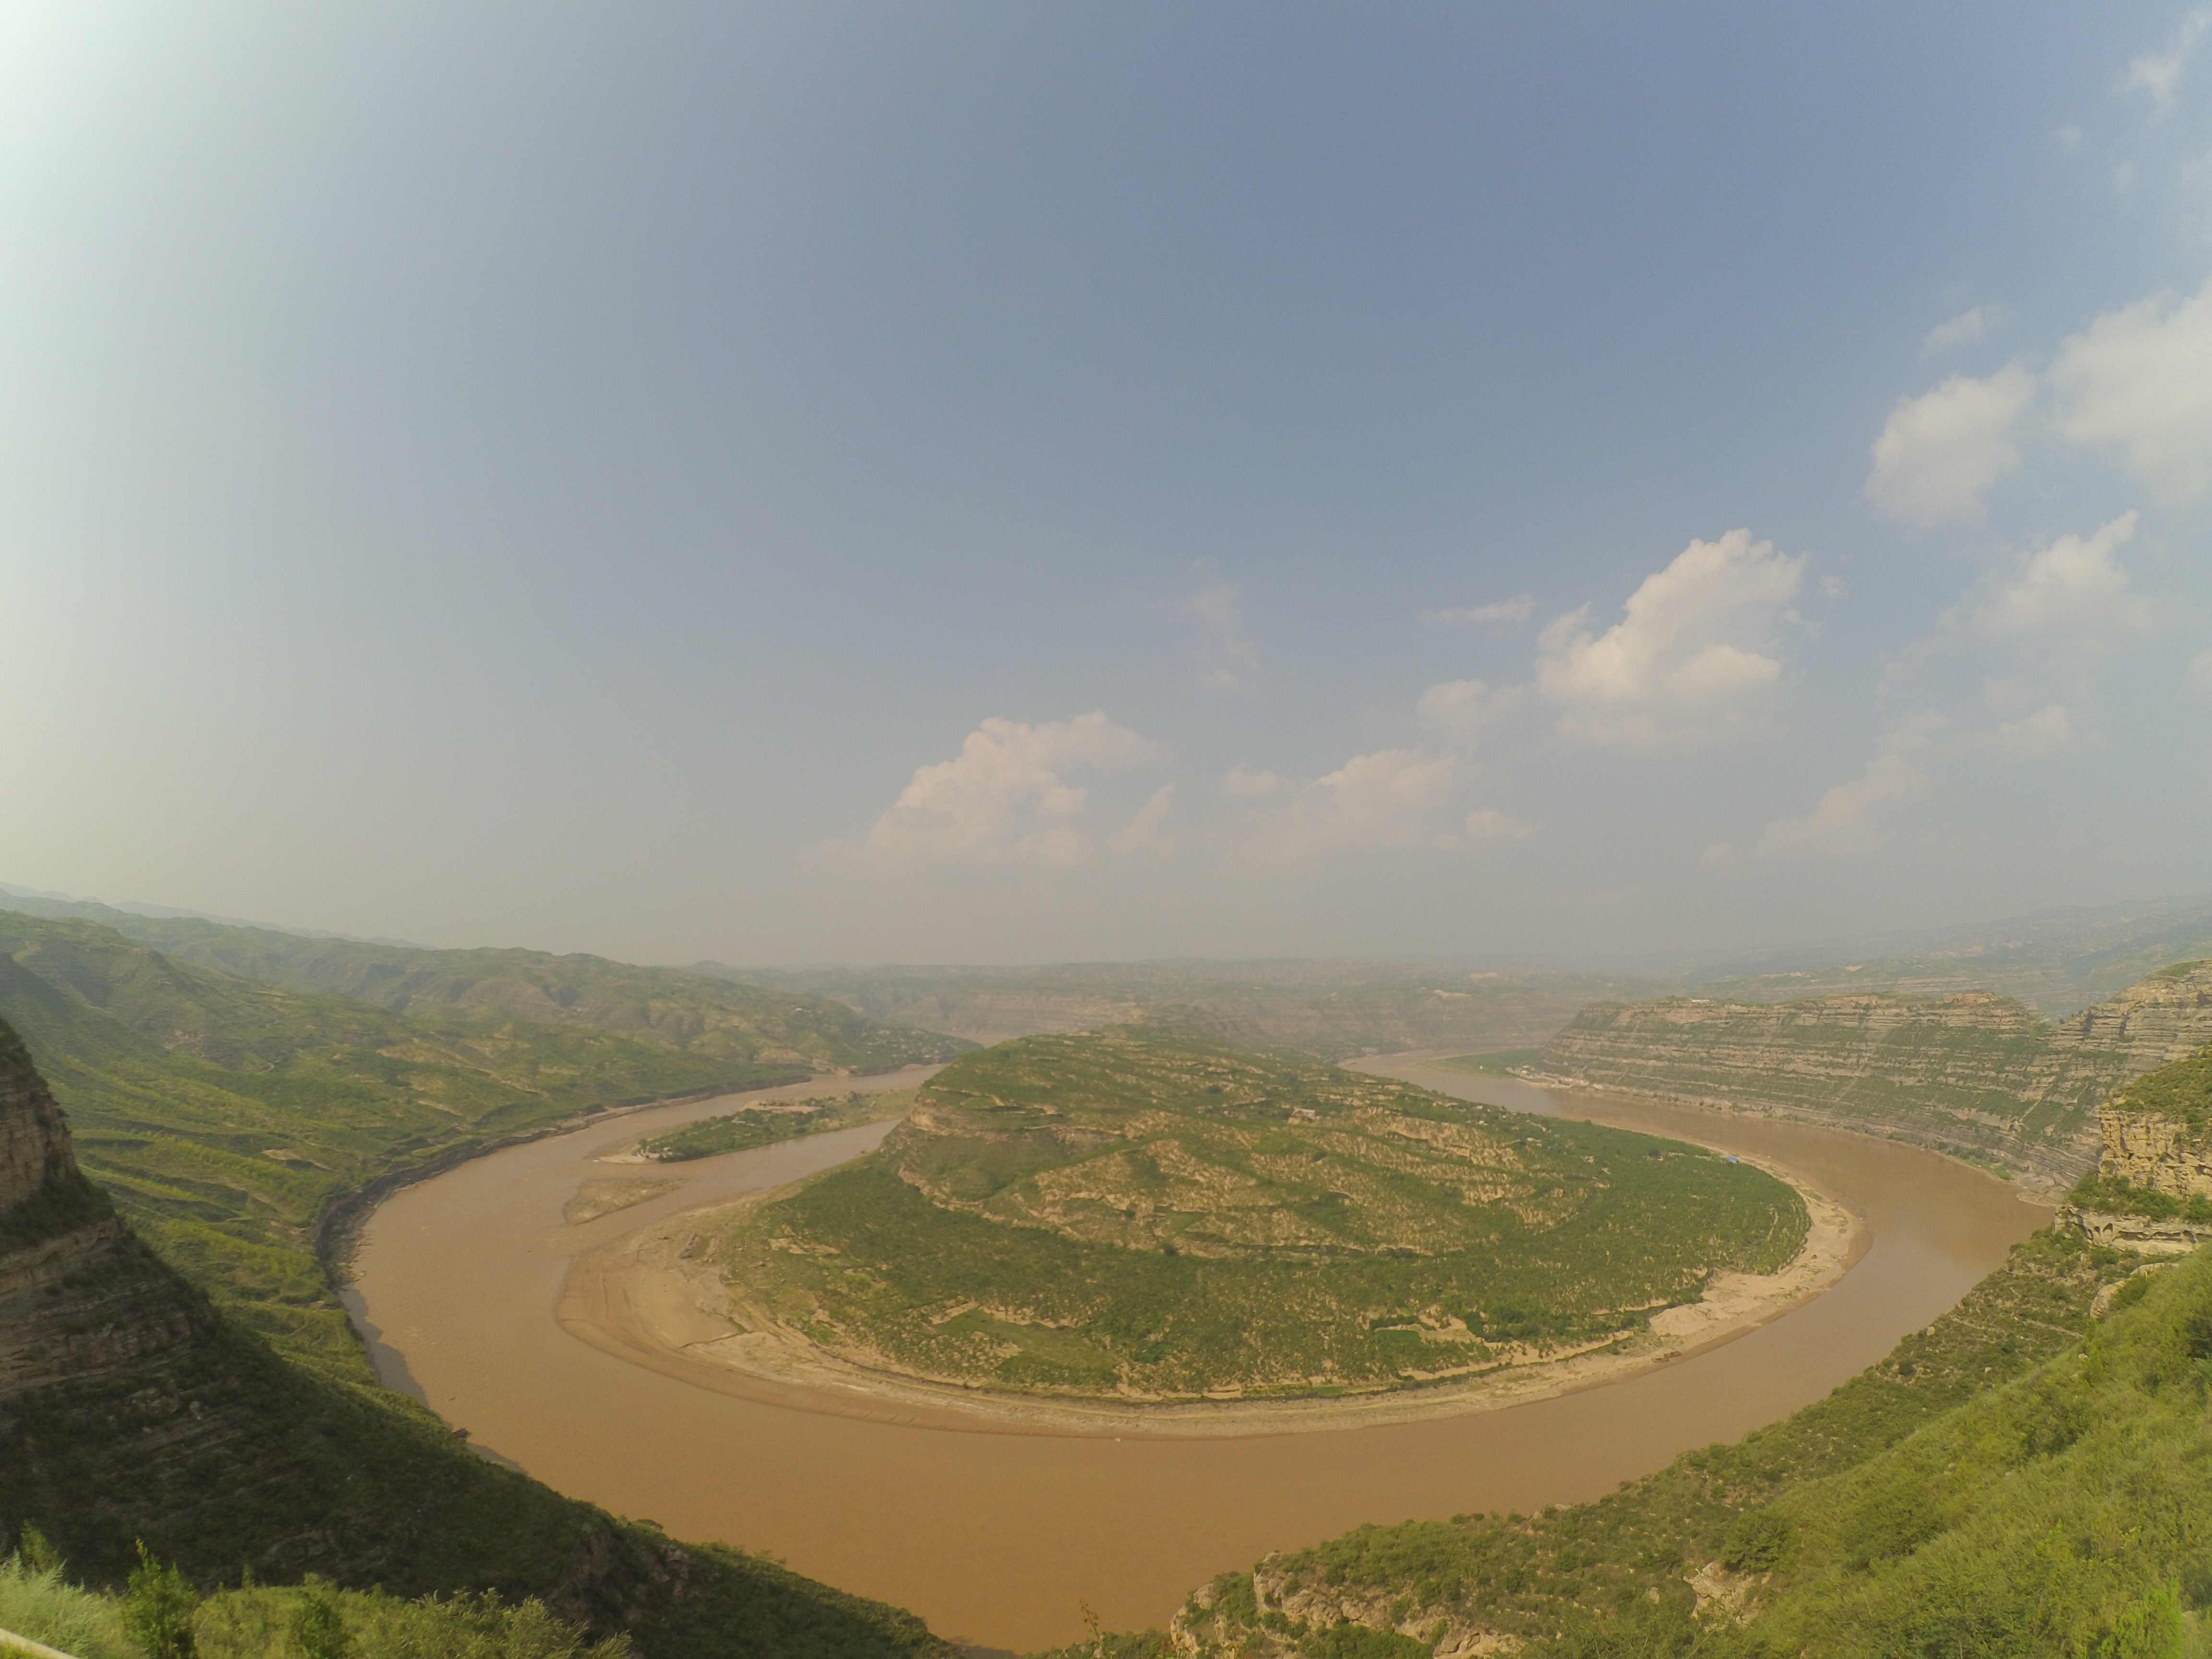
1974	1074
2155	1021
34	1144
104	1351
2158	1154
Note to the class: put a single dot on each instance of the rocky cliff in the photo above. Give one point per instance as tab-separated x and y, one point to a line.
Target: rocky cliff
1972	1073
81	1300
2153	1187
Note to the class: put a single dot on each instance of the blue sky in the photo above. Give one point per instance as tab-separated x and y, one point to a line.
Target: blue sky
1013	482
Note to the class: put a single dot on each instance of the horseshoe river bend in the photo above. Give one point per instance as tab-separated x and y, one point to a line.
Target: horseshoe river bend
1000	1533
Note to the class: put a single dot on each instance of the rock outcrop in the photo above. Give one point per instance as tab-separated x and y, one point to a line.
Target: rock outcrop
81	1298
1974	1074
2153	1188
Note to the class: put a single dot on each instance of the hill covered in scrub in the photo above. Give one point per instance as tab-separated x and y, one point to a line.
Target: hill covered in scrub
132	1410
228	1116
1972	1073
1154	1215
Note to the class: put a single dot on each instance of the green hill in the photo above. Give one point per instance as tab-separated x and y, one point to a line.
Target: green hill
702	1015
230	1116
1142	1213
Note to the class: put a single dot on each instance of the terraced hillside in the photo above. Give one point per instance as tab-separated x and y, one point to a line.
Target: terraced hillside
1972	1073
1138	1213
227	1115
2020	1479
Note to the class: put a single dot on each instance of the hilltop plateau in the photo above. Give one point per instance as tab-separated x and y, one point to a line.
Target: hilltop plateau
1145	1215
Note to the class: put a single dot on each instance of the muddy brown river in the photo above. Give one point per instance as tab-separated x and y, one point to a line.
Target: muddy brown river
1001	1539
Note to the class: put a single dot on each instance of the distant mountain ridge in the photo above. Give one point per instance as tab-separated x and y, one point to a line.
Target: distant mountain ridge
672	1007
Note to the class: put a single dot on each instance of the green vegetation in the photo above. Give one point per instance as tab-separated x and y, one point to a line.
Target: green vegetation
1997	1486
2181	1091
699	1014
228	1116
2096	1192
161	1614
763	1126
1144	1213
1497	1062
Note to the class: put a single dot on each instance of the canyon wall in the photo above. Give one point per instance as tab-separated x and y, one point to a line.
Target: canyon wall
1973	1074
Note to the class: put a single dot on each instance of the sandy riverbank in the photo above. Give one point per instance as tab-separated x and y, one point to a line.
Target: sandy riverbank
642	1298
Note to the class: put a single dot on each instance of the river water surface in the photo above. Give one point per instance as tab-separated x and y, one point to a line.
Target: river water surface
1002	1538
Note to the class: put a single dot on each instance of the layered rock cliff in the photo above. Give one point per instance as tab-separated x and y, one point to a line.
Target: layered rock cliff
1973	1073
2153	1187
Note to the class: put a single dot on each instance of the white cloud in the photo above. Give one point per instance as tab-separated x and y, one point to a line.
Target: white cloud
2138	385
1842	820
2199	675
1965	329
2158	73
1004	797
2073	589
1391	798
1502	613
1229	656
1457	710
2049	731
1143	831
1940	453
1488	827
1691	659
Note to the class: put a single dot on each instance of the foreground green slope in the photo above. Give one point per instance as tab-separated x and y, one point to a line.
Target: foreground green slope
229	1115
1141	1213
1959	1497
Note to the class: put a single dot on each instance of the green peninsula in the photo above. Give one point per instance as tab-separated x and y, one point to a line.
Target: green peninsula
748	1126
1151	1215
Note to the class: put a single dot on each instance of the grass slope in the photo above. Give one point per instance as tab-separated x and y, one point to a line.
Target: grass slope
1141	1212
227	1115
1809	1524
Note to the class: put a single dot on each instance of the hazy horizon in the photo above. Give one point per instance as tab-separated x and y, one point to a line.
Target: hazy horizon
981	484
